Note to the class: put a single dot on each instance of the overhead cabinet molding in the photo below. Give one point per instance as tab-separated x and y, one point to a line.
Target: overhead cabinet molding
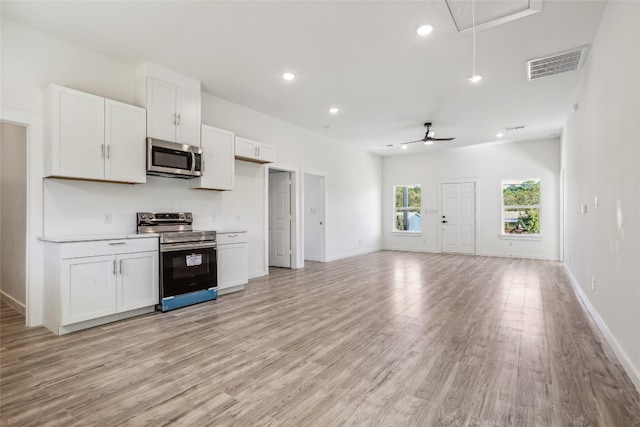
253	151
93	138
173	112
218	166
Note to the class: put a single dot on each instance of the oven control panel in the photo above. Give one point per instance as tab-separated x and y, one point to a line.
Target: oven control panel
160	217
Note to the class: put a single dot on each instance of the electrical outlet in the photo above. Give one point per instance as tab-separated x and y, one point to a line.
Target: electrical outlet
595	203
593	283
107	218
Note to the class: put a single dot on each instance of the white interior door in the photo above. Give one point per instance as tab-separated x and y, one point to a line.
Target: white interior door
314	221
279	219
458	219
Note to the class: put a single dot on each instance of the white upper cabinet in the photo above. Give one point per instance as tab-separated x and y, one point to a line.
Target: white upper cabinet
90	137
173	113
254	151
124	139
218	162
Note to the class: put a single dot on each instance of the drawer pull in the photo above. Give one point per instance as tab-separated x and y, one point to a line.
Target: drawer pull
117	243
233	235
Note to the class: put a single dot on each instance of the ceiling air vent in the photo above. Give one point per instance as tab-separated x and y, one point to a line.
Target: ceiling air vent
556	64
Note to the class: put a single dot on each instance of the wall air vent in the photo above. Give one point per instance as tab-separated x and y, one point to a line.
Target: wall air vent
559	63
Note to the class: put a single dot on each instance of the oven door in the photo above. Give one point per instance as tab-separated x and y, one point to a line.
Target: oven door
187	267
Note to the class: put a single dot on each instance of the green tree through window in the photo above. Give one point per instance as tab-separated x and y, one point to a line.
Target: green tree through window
521	206
406	208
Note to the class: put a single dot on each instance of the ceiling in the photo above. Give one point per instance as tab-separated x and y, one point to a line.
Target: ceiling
363	57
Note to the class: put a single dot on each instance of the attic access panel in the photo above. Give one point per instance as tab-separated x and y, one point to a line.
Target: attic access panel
489	13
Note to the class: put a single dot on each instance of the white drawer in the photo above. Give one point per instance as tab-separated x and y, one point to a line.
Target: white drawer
228	238
107	247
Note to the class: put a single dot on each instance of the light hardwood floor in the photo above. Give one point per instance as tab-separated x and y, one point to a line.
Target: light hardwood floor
389	339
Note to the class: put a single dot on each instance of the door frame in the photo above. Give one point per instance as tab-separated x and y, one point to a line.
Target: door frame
295	214
323	232
476	182
34	256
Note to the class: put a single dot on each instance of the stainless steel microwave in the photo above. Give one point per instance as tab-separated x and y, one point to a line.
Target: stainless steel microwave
174	160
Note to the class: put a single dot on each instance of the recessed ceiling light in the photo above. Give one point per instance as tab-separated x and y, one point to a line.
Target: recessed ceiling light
423	30
288	76
404	147
500	135
475	78
334	110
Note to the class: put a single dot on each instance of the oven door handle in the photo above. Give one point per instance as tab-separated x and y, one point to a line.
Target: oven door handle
186	246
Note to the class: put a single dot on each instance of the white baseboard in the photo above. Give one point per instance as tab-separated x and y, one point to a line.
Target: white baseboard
623	358
406	249
17	305
523	256
354	253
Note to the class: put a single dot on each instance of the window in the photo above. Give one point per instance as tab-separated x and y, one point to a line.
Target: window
521	207
406	216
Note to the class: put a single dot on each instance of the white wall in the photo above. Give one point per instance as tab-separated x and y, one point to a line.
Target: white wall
601	158
489	164
13	208
31	60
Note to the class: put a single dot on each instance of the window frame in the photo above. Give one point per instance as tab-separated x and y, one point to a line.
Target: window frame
396	209
503	208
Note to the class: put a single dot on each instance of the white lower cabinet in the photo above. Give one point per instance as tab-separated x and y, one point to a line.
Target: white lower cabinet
232	261
96	282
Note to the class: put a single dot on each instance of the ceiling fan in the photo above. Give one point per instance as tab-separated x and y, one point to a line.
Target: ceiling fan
428	137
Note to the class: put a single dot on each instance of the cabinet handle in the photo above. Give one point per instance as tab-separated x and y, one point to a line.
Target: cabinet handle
175	119
203	163
120	266
114	267
102	151
117	243
178	120
232	235
108	151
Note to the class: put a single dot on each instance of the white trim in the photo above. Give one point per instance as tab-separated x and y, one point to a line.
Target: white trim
407	249
517	256
521	236
623	358
17	305
34	290
323	254
295	213
354	253
407	233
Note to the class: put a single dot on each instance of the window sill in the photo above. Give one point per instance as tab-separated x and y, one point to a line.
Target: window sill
407	233
521	236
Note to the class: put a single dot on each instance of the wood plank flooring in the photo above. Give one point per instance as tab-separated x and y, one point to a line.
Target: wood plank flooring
386	339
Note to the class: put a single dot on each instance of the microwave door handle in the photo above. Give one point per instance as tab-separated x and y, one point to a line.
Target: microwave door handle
193	162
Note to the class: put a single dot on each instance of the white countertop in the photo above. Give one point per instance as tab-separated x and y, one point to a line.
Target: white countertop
88	238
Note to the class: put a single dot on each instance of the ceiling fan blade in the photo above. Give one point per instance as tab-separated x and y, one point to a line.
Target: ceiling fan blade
441	139
413	142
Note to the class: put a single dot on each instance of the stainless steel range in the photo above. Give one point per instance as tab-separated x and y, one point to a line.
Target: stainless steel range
188	259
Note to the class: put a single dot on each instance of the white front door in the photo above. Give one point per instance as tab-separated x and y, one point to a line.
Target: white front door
279	219
458	219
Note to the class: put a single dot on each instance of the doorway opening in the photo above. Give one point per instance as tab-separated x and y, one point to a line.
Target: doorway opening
281	218
458	218
314	218
13	215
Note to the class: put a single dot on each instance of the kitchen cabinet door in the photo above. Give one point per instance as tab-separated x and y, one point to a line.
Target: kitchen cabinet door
188	107
232	260
161	110
125	132
74	132
253	151
88	288
218	161
137	280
